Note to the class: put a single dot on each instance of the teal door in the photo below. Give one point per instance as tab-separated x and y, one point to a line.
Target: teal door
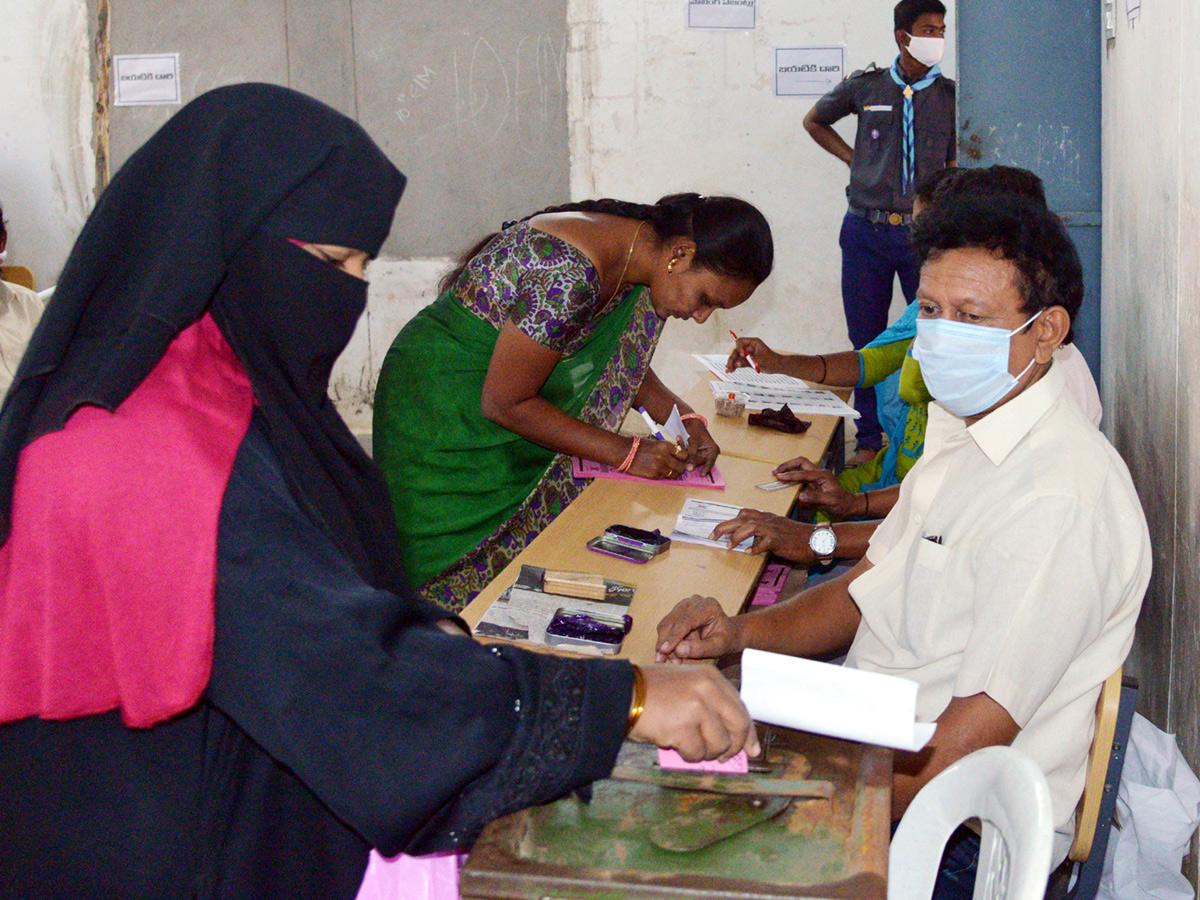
1029	96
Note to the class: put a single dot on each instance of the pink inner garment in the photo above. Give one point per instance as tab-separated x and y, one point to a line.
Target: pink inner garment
107	578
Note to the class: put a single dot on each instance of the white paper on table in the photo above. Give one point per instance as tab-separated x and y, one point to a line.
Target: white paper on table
698	518
715	363
833	700
802	401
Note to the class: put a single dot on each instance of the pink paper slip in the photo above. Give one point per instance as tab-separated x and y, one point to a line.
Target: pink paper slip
586	468
404	877
737	764
770	586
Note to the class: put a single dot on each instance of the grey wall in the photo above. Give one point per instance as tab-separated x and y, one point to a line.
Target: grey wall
467	98
1151	337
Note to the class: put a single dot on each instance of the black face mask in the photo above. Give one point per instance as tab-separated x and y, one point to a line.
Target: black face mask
288	315
286	309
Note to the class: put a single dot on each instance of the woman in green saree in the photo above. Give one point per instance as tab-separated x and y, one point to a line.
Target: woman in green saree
536	349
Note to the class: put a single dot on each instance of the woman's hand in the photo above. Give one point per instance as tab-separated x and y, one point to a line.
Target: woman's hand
696	711
772	534
659	459
821	489
768	360
702	449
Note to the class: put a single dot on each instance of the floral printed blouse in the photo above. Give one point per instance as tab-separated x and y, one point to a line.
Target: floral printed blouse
547	287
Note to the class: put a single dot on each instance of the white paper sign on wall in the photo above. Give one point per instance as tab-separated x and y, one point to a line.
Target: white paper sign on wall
808	71
721	13
146	79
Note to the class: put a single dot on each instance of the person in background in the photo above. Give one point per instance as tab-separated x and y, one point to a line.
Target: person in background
537	348
868	492
215	679
1007	580
20	310
906	131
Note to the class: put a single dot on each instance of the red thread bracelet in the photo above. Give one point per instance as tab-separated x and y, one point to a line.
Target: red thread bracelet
624	467
703	421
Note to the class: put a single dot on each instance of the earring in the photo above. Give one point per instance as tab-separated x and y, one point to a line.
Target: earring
671	267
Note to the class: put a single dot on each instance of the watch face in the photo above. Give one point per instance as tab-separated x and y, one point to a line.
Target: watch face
823	542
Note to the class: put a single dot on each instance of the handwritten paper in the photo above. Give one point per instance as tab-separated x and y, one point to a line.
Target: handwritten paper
586	468
698	518
833	700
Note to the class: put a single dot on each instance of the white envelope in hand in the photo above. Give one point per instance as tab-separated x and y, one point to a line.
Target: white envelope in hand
833	700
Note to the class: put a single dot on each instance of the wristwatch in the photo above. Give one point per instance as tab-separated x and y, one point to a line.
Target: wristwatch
823	542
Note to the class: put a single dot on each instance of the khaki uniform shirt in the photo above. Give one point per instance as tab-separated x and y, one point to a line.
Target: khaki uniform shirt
1013	564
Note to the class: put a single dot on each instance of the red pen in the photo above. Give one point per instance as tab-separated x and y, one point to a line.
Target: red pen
749	358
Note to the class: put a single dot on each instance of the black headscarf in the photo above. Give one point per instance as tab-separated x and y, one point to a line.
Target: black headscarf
195	221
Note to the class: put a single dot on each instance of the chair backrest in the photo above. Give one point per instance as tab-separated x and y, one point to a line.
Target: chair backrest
1008	793
18	275
1088	811
1089	871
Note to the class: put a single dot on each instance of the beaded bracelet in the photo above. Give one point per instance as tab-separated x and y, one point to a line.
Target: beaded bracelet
639	698
703	421
624	467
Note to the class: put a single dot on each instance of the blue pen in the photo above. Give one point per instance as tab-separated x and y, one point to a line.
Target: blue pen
651	423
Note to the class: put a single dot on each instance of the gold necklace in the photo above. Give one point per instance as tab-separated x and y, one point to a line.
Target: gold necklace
625	268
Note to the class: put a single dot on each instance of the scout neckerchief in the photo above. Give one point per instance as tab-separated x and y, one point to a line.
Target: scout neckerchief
910	153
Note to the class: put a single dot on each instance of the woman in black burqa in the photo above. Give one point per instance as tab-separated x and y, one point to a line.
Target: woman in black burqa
214	677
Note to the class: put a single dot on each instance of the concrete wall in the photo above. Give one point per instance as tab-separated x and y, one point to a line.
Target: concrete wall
656	108
653	108
47	170
1151	335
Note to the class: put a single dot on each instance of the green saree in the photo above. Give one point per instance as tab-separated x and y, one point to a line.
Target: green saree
468	494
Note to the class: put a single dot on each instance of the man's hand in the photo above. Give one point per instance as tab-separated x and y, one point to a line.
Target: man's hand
772	534
697	628
696	711
821	488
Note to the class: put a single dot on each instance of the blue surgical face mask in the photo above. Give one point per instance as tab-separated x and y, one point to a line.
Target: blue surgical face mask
965	366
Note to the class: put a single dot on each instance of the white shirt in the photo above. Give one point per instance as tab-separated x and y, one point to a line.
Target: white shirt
20	310
1080	381
1032	591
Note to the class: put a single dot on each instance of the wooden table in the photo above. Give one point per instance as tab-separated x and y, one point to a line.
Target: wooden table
683	570
833	847
747	457
737	437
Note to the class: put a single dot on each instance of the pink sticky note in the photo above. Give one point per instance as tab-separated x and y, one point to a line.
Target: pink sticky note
770	586
737	764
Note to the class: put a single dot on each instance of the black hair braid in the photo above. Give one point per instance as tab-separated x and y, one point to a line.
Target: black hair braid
732	237
669	217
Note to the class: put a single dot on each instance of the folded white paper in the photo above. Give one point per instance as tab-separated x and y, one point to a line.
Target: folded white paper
833	700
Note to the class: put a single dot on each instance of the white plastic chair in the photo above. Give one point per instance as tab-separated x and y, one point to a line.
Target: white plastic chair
1008	793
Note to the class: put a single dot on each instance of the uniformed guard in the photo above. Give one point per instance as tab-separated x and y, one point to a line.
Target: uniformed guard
906	129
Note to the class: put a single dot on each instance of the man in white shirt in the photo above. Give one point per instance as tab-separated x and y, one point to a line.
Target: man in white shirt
1008	578
20	310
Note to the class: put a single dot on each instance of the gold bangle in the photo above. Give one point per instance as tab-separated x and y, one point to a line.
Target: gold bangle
866	504
639	698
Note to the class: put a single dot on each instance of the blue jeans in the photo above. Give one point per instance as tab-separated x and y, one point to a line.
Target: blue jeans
873	256
960	862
